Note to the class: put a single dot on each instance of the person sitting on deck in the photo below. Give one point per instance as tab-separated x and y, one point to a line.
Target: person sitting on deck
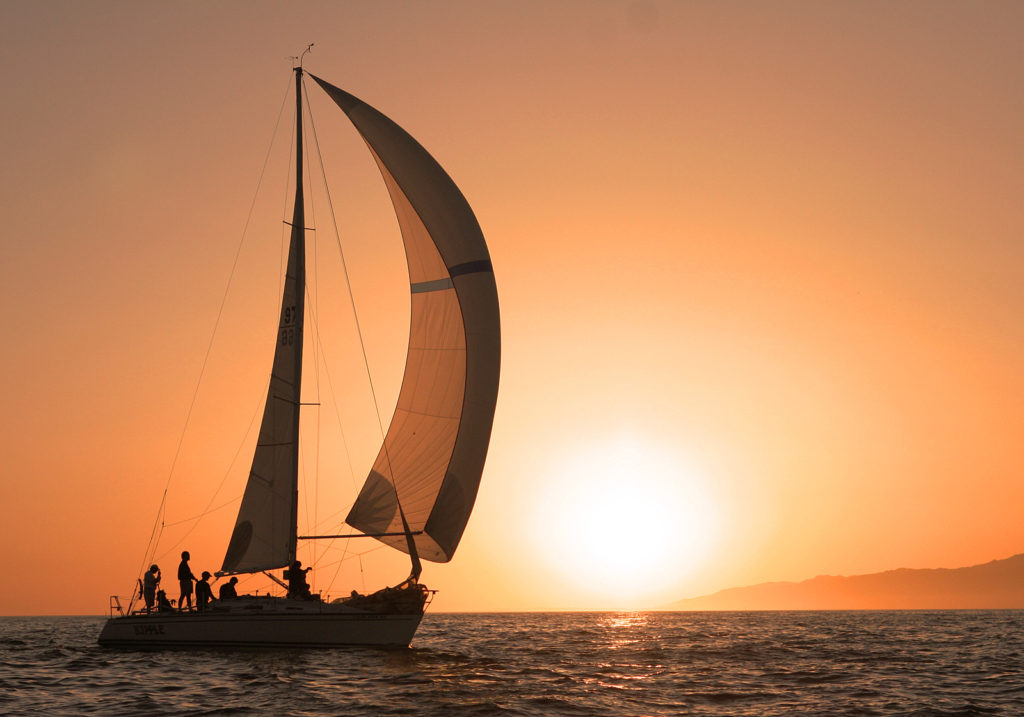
162	603
149	582
227	590
297	585
204	593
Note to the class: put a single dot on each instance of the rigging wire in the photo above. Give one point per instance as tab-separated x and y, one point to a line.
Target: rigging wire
312	307
151	546
314	313
317	358
198	516
337	410
207	510
348	281
314	316
314	304
262	395
157	526
355	313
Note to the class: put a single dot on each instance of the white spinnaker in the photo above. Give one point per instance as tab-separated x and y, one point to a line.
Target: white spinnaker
434	451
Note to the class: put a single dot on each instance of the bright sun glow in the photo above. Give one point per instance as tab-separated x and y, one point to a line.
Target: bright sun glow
625	521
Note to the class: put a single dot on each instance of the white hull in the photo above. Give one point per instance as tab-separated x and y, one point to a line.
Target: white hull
282	623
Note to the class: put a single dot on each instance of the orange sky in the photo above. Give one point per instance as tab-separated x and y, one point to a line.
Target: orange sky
759	267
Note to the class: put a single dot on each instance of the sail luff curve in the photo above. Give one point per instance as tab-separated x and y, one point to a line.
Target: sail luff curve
435	447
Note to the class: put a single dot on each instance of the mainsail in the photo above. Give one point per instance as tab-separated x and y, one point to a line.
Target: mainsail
428	469
265	531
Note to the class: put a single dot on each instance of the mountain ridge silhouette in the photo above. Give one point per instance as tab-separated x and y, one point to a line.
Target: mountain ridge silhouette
997	584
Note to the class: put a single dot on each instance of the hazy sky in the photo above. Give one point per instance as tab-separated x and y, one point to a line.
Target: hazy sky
759	264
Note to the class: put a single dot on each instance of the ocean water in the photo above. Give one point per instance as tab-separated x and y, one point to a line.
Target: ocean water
744	663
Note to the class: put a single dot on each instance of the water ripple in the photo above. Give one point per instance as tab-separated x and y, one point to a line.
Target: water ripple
906	664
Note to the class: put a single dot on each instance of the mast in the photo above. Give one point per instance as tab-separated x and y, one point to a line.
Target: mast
298	240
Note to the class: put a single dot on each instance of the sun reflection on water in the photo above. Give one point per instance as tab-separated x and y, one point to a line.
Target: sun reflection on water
623	628
624	620
634	656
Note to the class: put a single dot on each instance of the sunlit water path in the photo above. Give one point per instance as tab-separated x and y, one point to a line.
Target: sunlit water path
832	663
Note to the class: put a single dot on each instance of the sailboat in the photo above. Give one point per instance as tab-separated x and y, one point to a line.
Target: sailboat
421	488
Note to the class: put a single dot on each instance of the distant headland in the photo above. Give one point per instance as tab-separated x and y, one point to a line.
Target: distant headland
998	584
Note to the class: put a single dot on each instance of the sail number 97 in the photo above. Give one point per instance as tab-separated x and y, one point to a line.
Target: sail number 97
288	319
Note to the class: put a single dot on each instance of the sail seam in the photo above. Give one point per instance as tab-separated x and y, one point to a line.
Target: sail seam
471	267
257	476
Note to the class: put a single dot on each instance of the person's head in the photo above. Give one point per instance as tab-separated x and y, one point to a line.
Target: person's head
297	564
185	555
206	575
233	580
154	568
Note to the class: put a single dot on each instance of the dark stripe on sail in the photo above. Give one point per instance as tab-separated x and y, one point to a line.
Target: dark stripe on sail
470	267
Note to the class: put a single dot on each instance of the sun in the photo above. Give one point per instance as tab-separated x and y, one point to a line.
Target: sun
625	520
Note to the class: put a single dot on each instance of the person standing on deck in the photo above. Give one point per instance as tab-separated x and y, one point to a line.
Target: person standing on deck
149	582
297	585
185	580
